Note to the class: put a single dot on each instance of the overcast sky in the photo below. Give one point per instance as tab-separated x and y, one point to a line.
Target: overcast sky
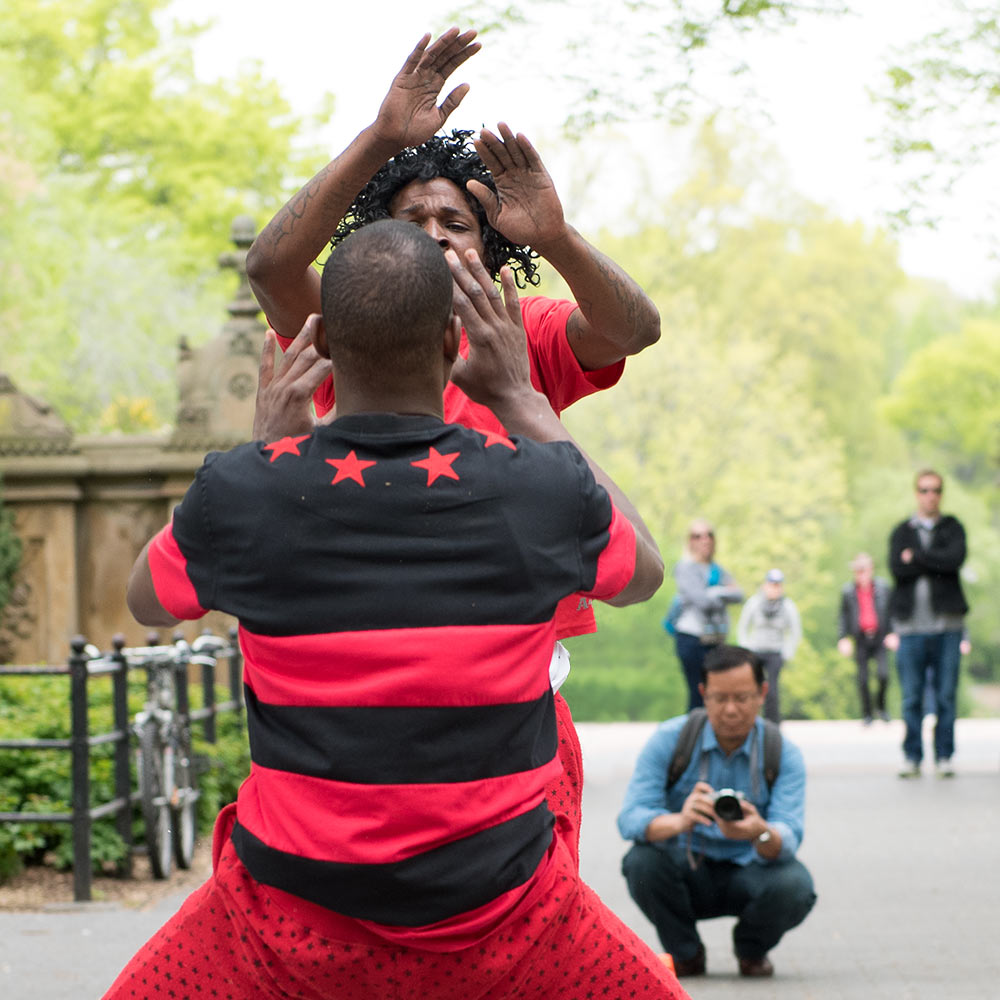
813	80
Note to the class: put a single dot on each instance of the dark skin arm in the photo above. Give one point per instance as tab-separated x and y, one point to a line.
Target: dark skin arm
496	374
141	595
279	264
614	317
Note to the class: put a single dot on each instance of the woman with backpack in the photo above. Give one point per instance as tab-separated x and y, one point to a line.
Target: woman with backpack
698	618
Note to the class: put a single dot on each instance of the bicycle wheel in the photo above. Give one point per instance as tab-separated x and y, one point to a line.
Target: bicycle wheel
184	804
155	768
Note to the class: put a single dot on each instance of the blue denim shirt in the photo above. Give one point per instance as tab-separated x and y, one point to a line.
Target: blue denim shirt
783	806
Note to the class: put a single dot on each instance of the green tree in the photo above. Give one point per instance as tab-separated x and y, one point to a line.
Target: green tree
940	100
120	180
642	60
761	408
758	409
961	375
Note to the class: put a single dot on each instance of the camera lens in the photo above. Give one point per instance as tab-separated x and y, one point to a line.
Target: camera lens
727	806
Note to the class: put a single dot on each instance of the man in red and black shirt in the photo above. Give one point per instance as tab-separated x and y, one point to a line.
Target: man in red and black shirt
396	579
491	194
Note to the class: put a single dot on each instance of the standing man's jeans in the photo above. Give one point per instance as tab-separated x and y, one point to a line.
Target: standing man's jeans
773	662
937	654
691	652
769	899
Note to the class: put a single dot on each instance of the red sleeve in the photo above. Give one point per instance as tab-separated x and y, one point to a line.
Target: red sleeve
168	568
554	365
616	563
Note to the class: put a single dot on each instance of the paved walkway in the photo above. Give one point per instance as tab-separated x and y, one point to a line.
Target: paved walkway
907	875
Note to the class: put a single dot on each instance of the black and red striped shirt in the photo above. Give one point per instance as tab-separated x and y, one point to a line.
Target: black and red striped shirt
395	579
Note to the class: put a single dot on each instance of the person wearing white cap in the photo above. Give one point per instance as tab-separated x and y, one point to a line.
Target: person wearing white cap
770	626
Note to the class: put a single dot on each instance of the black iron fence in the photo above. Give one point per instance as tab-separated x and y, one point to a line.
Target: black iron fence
85	663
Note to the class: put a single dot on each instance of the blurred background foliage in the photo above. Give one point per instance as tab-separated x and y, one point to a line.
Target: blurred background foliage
801	379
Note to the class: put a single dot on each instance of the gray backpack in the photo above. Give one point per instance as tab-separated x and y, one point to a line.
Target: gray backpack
691	733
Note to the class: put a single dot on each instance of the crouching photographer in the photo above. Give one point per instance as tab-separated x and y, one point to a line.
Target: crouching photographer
715	809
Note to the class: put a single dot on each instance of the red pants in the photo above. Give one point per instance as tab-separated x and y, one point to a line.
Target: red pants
564	794
235	940
232	941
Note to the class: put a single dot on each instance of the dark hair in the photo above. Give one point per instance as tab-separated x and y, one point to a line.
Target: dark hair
386	294
722	658
454	158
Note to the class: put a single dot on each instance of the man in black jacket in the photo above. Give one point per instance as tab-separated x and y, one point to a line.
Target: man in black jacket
926	552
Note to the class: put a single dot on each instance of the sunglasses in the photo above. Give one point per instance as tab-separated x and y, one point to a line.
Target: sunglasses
701	534
929	489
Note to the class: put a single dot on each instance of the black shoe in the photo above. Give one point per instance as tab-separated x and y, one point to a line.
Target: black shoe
691	966
867	720
757	968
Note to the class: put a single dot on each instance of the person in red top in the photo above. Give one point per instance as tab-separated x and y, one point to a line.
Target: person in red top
396	578
864	629
492	195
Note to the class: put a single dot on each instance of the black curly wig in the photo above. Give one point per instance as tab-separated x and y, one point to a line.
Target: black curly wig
454	158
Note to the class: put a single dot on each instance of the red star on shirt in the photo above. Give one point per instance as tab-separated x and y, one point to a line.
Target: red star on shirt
437	465
494	437
350	467
286	446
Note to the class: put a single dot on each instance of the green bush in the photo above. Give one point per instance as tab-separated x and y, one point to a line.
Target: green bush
38	781
627	670
10	552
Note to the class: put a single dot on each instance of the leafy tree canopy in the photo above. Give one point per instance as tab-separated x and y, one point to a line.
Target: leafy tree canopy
940	98
656	68
121	176
947	399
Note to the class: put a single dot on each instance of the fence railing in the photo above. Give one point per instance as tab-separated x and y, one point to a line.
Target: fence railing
84	664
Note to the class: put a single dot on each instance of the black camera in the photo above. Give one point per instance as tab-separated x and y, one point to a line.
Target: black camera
727	804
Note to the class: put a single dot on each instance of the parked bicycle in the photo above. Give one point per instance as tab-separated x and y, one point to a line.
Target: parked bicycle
168	785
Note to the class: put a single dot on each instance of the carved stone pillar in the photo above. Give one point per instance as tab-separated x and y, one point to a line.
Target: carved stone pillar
218	382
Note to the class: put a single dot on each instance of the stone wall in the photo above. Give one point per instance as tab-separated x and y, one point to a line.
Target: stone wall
82	520
84	507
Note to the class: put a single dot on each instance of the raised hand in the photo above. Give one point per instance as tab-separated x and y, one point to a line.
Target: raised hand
410	114
284	398
496	370
525	207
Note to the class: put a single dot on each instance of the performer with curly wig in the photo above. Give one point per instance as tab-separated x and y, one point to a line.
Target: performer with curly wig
491	194
454	158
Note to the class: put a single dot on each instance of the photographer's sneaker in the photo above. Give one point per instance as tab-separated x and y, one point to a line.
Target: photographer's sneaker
943	769
911	769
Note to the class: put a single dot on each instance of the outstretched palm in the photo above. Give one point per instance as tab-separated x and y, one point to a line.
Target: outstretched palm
526	207
410	114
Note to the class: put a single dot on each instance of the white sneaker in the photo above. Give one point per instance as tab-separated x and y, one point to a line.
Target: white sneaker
943	769
910	770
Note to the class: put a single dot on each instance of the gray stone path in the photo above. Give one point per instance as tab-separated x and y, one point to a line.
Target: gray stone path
907	873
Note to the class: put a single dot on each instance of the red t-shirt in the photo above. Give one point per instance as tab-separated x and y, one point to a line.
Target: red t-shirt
867	615
557	374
